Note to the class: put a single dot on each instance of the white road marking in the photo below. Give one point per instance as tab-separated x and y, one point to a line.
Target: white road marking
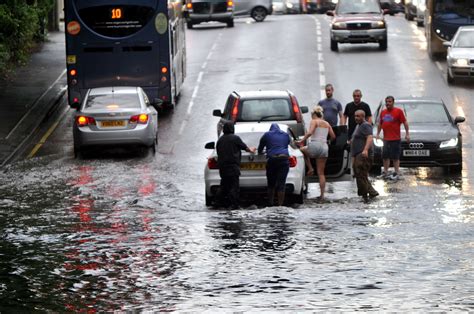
322	68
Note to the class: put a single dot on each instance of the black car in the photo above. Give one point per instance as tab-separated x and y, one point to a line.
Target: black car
392	7
435	139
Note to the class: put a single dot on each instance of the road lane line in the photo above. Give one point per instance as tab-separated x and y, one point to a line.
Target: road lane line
47	135
199	79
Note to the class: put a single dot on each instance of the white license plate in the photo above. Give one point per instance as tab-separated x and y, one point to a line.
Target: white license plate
416	153
359	33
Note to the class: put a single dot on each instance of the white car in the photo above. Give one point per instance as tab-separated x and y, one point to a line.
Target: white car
253	177
460	56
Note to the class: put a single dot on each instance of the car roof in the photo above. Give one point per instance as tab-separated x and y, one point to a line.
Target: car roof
113	90
416	99
263	94
257	127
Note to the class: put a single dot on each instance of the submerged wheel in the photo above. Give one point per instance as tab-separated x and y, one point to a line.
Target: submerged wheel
209	199
383	44
230	23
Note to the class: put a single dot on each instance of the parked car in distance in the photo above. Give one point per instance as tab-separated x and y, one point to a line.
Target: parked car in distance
415	9
435	139
263	106
460	55
199	11
257	9
319	6
115	116
356	22
392	7
253	177
279	6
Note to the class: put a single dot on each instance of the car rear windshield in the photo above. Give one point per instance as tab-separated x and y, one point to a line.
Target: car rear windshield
109	101
425	113
358	6
265	110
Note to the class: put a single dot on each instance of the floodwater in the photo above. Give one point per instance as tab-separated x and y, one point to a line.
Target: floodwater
134	234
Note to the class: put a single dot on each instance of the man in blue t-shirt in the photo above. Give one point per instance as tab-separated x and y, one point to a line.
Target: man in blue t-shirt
332	107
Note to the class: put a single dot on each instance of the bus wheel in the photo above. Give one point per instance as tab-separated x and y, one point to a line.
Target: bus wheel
230	23
189	25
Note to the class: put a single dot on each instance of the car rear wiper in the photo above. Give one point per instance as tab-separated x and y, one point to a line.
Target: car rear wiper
272	116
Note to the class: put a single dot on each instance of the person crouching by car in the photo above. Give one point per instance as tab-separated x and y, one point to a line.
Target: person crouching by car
276	141
362	154
229	147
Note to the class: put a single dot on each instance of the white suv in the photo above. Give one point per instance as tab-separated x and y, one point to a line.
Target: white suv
257	9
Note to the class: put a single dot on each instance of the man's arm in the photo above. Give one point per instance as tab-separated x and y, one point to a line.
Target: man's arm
407	132
342	118
367	146
261	144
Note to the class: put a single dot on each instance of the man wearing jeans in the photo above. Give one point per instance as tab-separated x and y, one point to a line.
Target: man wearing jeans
390	120
362	154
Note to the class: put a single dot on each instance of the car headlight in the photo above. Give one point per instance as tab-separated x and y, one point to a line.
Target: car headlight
378	142
378	24
339	25
289	5
449	143
460	62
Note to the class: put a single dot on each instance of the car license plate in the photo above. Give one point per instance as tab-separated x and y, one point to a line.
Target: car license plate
359	33
416	153
112	123
252	166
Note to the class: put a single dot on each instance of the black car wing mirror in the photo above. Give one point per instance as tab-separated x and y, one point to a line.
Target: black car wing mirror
210	145
459	120
217	113
330	13
446	43
304	109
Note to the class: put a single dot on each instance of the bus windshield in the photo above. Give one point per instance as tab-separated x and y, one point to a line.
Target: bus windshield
453	9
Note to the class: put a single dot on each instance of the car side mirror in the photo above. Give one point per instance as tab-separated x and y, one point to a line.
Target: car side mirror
447	43
210	145
330	13
459	120
217	113
304	109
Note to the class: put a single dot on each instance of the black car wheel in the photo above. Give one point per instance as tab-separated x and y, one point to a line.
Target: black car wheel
383	44
189	25
259	14
209	199
333	45
449	78
230	23
299	198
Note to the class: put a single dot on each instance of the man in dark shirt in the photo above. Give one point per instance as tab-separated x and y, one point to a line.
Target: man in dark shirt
362	155
352	107
276	141
228	149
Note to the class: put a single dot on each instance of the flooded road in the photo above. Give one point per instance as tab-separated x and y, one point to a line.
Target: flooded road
126	234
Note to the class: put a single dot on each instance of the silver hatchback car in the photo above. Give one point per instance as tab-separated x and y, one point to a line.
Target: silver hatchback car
115	116
460	56
257	9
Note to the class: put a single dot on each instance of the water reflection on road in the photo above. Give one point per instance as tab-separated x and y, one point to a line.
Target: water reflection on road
134	234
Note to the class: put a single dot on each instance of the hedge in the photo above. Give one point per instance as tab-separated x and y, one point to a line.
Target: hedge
22	25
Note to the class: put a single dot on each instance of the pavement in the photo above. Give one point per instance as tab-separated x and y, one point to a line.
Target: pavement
31	95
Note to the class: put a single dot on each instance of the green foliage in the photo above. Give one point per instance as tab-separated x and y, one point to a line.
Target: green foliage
22	25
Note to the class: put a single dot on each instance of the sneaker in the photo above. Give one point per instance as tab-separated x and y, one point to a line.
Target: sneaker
383	176
394	177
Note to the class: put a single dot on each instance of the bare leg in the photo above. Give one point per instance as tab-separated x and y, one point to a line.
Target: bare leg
386	164
307	160
320	165
396	165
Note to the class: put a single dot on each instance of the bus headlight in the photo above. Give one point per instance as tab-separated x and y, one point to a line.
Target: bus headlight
460	62
449	143
378	142
339	25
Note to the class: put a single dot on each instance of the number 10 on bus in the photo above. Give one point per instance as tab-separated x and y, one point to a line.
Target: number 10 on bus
116	13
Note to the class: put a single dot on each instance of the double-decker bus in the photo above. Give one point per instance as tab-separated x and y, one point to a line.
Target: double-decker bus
442	20
125	43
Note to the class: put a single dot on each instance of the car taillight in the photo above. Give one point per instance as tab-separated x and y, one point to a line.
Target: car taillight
189	5
293	161
230	3
235	110
212	163
139	118
83	121
296	109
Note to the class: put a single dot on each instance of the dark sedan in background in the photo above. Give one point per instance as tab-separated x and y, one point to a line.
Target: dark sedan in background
435	139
